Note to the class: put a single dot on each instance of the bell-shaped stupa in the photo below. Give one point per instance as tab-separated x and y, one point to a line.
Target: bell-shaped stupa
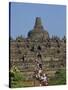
38	31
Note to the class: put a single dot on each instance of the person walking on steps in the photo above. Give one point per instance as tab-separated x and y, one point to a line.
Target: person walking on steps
44	80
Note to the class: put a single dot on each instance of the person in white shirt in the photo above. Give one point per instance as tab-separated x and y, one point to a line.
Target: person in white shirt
44	80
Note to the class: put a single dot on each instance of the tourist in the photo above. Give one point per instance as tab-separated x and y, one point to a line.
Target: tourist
40	71
45	80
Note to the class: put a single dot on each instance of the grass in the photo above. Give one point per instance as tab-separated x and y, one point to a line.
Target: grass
59	79
18	79
26	83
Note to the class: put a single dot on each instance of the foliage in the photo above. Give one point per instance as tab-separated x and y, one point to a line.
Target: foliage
61	76
16	75
59	79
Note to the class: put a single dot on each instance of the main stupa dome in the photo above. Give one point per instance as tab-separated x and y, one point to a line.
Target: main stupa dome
38	31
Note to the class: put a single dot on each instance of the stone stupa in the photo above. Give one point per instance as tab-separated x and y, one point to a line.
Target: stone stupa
38	31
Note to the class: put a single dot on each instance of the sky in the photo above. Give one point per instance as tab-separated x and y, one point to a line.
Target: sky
23	15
